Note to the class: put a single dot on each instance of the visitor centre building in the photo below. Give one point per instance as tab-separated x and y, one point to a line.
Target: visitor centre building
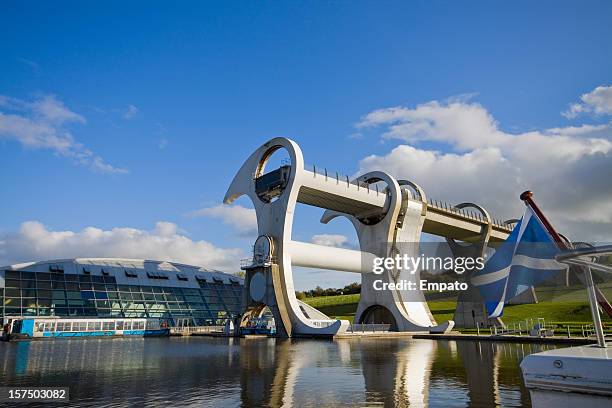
176	294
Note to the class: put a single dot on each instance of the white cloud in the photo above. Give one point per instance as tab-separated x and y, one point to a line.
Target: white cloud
333	240
41	124
567	168
35	242
598	101
243	220
130	112
466	125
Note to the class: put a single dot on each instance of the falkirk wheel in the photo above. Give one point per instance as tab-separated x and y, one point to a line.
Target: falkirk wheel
388	222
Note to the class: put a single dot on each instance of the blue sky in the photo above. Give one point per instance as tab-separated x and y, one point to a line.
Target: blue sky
175	98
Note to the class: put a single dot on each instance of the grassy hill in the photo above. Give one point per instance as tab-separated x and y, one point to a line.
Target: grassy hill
561	306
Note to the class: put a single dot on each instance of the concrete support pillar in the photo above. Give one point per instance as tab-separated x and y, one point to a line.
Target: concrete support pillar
471	310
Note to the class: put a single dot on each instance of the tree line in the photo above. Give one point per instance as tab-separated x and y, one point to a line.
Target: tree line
349	289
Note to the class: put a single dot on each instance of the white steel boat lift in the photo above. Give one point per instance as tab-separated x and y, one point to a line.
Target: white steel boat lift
388	220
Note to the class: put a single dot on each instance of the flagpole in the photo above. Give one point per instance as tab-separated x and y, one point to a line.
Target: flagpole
527	197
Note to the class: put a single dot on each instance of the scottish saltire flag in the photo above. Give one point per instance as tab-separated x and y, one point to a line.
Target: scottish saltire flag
524	259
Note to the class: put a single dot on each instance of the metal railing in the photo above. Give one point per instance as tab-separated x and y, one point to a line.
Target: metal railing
438	205
368	328
197	329
248	262
531	327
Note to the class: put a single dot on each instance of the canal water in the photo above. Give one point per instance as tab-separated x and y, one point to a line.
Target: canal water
222	372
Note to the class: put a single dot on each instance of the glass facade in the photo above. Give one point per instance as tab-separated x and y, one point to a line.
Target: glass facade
84	295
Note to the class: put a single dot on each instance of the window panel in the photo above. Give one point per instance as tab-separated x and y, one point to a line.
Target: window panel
61	311
125	296
76	311
87	294
43	285
28	284
43	293
157	275
29	303
103	304
58	285
104	312
94	326
12	275
110	279
44	311
72	286
90	311
11	301
12	292
12	283
58	294
44	302
73	295
101	295
12	311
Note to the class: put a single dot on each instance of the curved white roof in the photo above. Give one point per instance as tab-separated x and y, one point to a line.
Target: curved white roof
75	265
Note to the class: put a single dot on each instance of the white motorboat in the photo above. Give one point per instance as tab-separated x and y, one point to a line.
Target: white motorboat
574	376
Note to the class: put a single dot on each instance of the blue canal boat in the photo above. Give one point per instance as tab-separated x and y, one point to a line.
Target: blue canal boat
32	328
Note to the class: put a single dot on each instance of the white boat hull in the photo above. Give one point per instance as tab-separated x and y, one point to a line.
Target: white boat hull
570	377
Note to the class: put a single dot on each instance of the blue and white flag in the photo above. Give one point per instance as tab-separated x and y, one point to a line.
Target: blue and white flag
524	259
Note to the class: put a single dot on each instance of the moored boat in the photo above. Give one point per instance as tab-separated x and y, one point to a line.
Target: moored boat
33	328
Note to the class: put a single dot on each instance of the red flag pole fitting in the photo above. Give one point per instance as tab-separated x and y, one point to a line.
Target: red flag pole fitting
527	197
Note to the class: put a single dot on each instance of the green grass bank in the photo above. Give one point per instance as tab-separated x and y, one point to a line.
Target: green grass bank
562	307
